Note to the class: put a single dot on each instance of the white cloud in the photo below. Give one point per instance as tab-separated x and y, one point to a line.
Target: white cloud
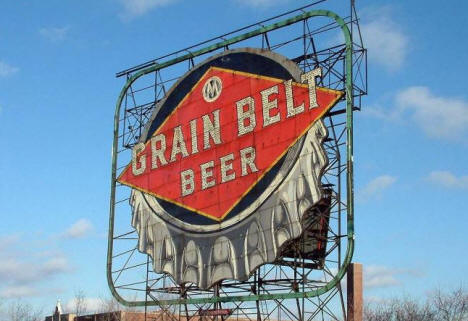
378	276
54	34
79	229
7	241
375	187
23	277
7	70
55	265
24	273
447	179
18	291
439	117
385	40
380	112
372	299
89	305
135	8
24	270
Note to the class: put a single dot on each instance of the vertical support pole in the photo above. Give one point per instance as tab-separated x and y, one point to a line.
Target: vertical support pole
354	292
255	291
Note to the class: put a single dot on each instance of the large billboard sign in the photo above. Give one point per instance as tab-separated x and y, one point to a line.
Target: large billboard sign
228	165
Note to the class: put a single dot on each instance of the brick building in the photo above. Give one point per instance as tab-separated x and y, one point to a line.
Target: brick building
105	316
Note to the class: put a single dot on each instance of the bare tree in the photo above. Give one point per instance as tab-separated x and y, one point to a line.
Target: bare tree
398	310
439	306
21	311
81	307
451	306
411	310
111	307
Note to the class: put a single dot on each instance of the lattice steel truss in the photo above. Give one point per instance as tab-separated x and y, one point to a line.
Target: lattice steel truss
292	288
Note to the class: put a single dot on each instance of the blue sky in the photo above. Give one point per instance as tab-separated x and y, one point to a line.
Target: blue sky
57	95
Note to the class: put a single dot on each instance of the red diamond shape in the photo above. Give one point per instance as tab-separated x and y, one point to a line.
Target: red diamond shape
225	185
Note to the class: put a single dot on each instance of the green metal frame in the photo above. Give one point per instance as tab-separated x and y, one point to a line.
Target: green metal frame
349	176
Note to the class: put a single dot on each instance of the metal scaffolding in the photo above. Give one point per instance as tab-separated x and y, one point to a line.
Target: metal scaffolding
298	286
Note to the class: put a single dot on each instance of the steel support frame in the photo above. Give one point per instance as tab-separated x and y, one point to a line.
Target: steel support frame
305	293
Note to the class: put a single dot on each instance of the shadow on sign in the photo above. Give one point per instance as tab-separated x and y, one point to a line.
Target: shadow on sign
312	243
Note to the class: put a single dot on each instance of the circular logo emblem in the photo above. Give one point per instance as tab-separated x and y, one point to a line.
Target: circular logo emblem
212	89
